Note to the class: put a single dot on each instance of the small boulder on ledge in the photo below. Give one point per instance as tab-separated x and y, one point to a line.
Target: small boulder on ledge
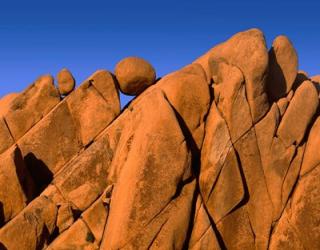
66	82
134	75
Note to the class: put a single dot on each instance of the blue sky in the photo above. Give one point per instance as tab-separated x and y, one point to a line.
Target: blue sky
41	37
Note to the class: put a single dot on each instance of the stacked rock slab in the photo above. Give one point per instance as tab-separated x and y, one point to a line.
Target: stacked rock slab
146	217
221	154
55	139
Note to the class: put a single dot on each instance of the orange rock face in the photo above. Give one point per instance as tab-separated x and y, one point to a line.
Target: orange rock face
29	107
221	154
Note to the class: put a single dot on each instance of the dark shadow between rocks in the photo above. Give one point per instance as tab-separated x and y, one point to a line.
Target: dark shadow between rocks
39	171
24	176
246	195
43	240
317	85
3	247
216	231
195	156
276	83
309	127
192	217
243	202
126	106
299	80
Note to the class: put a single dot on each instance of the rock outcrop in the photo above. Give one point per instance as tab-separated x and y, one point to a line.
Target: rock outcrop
221	154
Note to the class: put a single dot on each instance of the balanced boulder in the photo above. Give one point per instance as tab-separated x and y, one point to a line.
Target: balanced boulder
66	82
134	75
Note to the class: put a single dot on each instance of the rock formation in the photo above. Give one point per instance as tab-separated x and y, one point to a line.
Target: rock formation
221	154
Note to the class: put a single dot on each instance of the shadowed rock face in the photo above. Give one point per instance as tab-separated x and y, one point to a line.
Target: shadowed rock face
221	154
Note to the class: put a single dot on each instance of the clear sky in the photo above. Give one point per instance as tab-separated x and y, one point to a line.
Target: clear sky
41	37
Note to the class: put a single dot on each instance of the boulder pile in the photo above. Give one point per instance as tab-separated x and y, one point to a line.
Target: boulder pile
221	154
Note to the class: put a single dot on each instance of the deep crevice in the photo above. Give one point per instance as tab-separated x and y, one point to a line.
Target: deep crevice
192	217
216	231
195	151
25	178
39	171
246	195
6	123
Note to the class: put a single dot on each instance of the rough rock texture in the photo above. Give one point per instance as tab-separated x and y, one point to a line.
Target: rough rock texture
32	227
17	187
144	173
221	154
5	136
134	75
5	103
94	105
247	50
30	106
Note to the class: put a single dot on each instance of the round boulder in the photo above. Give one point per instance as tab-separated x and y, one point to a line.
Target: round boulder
66	82
134	75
